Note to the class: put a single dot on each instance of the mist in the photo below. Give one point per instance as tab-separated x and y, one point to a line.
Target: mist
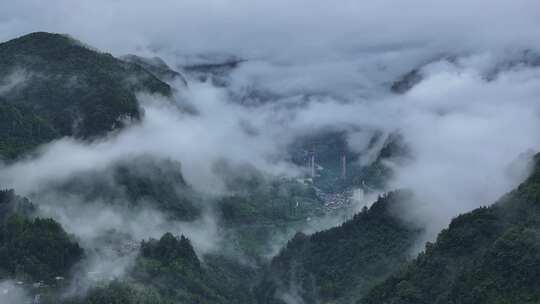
308	29
13	294
13	80
471	123
460	127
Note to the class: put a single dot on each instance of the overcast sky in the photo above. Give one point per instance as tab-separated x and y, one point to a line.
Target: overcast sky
279	29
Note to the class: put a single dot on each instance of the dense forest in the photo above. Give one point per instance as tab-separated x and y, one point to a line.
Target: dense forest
32	249
489	255
56	86
343	262
169	271
138	183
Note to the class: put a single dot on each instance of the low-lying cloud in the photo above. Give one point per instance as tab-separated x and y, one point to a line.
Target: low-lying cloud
463	131
12	293
309	66
303	30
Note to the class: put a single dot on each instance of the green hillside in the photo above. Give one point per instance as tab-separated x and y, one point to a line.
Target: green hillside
52	86
330	264
32	250
140	182
169	271
490	255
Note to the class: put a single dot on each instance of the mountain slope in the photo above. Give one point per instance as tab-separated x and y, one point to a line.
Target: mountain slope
141	182
171	267
490	255
32	249
328	265
156	66
168	271
51	85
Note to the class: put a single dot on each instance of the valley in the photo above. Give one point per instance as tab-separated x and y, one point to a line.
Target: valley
265	155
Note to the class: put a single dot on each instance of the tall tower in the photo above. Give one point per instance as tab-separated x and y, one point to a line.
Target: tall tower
344	163
312	161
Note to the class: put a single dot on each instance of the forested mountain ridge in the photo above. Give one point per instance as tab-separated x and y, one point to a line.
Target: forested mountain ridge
52	85
335	264
489	255
141	182
156	66
168	270
32	249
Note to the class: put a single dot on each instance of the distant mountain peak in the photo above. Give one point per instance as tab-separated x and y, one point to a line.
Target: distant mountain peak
156	66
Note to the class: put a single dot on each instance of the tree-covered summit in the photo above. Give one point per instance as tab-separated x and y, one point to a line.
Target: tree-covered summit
32	249
52	85
339	263
489	255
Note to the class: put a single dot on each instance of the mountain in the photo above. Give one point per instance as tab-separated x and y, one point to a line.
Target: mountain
515	61
52	85
32	249
490	255
511	60
406	81
344	261
156	66
169	271
12	204
140	182
215	71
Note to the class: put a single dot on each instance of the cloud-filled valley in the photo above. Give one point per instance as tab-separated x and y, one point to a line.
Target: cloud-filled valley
457	83
448	171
